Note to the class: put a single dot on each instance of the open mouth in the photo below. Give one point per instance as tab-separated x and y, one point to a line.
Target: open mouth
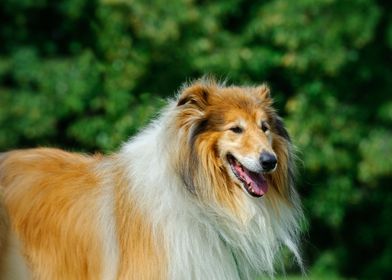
254	183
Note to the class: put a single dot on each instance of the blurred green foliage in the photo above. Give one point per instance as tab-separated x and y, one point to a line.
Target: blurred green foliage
87	74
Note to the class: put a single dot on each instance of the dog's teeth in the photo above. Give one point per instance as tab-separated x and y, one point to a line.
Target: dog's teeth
250	187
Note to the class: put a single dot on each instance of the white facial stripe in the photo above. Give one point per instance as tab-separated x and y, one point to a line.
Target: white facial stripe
250	163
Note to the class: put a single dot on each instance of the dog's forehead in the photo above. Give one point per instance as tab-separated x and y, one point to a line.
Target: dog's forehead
243	116
246	97
239	103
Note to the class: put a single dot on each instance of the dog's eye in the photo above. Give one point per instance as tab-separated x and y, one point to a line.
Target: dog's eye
237	129
264	126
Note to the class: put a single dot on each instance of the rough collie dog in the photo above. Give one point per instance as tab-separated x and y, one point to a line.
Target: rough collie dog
204	192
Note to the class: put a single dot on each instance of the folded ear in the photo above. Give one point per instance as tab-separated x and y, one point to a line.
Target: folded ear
264	91
196	95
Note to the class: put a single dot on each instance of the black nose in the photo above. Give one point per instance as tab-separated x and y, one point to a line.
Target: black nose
268	161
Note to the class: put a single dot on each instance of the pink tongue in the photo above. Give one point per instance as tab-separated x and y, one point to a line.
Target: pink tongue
256	181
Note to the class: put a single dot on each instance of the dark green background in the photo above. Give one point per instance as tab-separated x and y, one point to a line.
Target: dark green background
85	75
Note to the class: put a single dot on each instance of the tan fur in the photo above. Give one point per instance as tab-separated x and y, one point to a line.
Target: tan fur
47	193
4	234
12	264
141	257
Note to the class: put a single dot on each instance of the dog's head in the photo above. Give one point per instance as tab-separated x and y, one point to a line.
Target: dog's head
236	144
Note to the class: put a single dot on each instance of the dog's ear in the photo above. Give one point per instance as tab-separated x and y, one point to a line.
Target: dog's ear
196	95
264	92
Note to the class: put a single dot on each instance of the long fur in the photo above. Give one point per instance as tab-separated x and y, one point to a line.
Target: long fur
12	265
166	205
